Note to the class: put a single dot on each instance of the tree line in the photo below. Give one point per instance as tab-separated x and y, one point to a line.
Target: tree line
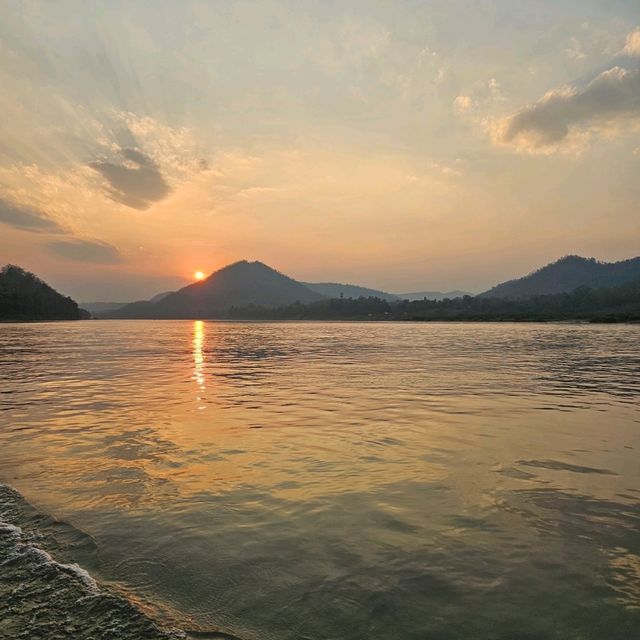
614	304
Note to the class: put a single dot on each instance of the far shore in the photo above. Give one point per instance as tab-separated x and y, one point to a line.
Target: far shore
577	321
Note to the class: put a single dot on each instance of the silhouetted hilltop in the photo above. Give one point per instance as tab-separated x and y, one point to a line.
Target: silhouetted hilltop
433	295
23	296
239	284
567	274
337	290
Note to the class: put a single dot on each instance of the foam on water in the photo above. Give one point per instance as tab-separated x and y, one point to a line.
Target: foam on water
25	549
41	597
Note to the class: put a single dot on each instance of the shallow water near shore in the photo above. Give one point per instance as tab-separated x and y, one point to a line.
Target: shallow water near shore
320	480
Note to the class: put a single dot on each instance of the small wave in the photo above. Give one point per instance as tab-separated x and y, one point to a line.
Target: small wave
23	547
41	597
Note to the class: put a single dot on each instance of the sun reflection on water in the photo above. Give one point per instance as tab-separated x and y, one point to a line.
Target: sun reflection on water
198	356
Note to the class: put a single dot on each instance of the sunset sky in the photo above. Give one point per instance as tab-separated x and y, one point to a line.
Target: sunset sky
400	145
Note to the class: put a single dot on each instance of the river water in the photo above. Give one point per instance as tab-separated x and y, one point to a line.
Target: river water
319	481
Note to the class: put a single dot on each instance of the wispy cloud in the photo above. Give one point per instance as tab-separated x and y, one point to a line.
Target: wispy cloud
136	182
92	251
26	218
632	45
462	104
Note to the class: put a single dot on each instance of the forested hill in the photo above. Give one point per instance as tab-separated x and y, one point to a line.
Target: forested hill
239	284
567	274
23	296
615	304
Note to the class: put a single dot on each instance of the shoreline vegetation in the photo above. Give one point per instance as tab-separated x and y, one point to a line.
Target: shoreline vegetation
255	292
605	305
572	288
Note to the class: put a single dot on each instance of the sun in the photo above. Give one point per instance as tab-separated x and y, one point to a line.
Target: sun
198	275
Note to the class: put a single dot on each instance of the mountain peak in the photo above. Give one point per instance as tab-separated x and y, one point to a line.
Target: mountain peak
240	283
567	274
14	271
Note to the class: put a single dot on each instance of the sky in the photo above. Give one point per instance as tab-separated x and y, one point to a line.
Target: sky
403	145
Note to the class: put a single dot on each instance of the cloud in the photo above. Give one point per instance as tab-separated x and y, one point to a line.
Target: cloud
479	97
25	218
632	46
610	98
93	251
29	219
462	104
136	183
575	50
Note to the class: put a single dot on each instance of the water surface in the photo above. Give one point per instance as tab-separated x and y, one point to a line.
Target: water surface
322	480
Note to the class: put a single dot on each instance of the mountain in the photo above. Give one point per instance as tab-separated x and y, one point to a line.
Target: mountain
240	284
99	308
160	296
567	274
23	296
433	295
336	290
96	308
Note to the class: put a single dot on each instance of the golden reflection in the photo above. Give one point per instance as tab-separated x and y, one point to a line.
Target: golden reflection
626	579
198	354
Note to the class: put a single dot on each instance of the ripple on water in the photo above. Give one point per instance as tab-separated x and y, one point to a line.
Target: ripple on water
347	481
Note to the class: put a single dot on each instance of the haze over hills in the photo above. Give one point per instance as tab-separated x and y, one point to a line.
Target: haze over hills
98	308
337	290
567	274
239	284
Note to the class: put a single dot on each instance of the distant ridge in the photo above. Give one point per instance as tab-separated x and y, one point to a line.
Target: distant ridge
239	284
96	308
566	275
433	295
23	296
160	296
99	308
337	290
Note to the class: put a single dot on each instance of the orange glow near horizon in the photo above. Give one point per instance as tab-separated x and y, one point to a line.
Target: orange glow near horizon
198	275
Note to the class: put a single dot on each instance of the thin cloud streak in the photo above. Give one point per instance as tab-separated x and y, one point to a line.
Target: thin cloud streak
26	219
92	251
